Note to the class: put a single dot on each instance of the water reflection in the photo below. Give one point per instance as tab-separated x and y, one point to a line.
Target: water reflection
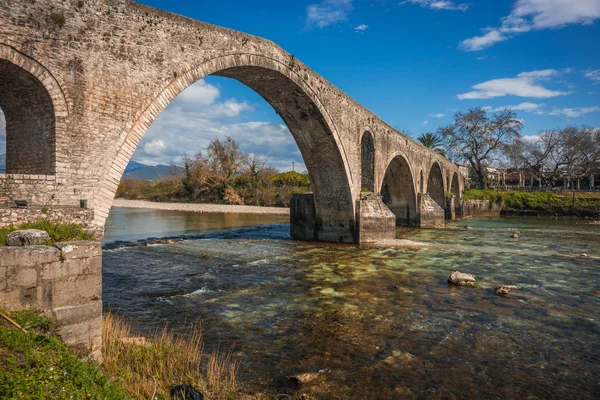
383	323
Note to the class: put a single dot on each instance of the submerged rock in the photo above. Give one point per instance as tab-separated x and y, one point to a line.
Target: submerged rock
461	279
185	392
505	289
515	236
28	237
307	378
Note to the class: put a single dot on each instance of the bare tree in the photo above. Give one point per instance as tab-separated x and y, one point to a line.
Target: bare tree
478	139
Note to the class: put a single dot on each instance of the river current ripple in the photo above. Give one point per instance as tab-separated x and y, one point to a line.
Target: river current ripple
381	323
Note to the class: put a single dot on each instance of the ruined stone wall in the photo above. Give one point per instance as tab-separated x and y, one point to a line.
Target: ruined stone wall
63	281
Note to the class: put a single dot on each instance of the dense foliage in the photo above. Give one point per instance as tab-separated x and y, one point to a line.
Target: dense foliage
57	232
225	174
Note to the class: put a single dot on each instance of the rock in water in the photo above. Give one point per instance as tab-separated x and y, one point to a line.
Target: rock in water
307	378
505	289
515	236
28	237
460	279
185	392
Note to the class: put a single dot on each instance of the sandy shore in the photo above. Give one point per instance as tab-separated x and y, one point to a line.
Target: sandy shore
201	208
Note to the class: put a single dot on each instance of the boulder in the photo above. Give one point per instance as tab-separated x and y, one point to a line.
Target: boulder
460	279
28	237
504	289
185	392
307	378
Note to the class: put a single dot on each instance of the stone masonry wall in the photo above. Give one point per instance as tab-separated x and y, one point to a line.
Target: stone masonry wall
63	281
481	207
64	215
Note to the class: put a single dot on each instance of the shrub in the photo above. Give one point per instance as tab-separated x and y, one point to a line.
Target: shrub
57	232
59	19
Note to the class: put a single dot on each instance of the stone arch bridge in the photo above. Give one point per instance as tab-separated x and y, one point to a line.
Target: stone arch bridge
81	82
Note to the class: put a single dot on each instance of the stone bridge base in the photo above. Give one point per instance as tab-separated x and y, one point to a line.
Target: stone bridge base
306	225
432	215
62	281
374	219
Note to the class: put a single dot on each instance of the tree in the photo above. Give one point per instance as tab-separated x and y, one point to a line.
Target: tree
478	139
433	141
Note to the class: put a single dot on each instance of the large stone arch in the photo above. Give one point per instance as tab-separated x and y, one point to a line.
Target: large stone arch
367	159
435	185
299	107
399	192
33	105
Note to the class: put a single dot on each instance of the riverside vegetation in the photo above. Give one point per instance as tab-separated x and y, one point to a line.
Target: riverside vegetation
544	202
36	364
225	174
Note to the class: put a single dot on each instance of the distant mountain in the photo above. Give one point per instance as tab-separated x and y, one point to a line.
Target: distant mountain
2	163
150	172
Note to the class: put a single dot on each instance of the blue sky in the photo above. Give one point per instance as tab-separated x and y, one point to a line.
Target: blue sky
413	63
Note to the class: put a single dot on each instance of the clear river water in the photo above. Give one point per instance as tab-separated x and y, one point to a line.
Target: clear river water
380	323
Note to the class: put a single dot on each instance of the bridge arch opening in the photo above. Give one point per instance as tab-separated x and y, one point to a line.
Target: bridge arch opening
455	190
328	215
30	123
435	185
367	157
398	192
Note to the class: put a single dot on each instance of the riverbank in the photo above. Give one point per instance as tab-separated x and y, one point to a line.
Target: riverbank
532	203
202	208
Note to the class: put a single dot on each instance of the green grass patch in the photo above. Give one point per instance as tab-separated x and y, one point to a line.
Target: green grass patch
537	200
58	232
38	365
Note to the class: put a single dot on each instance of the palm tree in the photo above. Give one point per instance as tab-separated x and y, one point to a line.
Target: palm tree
433	141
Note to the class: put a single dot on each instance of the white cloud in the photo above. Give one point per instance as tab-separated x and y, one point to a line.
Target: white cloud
594	76
328	12
573	112
524	85
181	129
438	4
592	92
530	15
527	106
491	37
361	28
200	94
425	122
440	115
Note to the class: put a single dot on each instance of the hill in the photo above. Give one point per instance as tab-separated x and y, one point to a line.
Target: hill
150	172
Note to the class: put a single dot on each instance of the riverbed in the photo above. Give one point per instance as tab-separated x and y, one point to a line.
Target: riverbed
379	322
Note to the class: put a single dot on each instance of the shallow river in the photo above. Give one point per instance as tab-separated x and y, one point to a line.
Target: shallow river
381	323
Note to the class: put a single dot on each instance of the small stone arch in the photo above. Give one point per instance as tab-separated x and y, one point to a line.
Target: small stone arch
398	191
33	105
435	185
367	158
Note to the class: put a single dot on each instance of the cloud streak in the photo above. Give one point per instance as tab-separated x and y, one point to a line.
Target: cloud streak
326	13
438	4
526	84
528	15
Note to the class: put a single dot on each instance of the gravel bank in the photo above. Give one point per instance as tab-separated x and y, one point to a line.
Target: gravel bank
202	208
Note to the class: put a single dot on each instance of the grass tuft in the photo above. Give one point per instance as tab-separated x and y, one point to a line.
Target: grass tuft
165	360
57	232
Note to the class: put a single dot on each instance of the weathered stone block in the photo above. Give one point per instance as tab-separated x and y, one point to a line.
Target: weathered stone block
76	290
24	277
28	256
27	237
375	220
76	250
75	314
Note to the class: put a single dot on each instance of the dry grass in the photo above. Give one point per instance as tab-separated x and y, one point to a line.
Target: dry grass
148	371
